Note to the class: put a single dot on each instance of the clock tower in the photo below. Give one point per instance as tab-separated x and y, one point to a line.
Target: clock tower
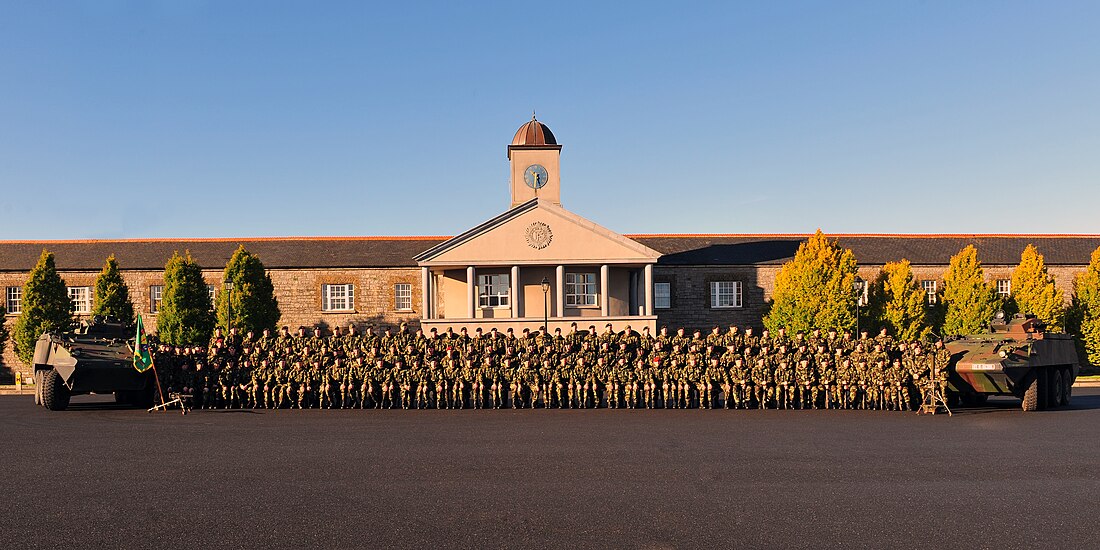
534	155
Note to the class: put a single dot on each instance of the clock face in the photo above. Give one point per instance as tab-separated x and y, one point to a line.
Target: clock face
535	176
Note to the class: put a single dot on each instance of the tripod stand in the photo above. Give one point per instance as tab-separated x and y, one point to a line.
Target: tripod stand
934	397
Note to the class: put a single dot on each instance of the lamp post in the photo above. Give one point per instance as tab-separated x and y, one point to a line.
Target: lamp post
545	305
857	286
229	305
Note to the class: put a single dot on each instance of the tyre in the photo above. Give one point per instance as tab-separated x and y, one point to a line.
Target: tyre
1067	384
55	396
1031	396
1057	390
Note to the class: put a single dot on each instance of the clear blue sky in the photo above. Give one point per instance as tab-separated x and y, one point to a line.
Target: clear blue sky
188	118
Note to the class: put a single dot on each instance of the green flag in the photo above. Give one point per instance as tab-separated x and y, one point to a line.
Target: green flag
142	358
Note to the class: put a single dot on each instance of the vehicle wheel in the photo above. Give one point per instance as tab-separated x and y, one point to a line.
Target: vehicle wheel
55	396
1067	384
37	387
1057	395
1031	396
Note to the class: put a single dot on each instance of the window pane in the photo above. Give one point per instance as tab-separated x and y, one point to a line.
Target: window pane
78	295
581	289
493	290
725	294
402	296
337	297
15	300
155	294
930	291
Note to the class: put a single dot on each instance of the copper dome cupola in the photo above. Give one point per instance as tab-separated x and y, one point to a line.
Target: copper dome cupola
534	132
533	135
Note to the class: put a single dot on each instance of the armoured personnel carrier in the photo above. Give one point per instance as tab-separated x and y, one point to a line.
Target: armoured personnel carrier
97	357
1017	357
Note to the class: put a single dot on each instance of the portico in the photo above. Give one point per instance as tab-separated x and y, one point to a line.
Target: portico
536	264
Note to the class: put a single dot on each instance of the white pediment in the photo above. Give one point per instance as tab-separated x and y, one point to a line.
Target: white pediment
538	233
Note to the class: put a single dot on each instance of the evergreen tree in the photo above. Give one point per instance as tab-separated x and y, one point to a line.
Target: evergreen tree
3	331
185	316
969	300
1034	291
254	304
46	307
814	290
1084	311
898	303
112	296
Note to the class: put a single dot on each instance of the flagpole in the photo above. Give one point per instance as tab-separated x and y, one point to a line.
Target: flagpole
140	351
156	378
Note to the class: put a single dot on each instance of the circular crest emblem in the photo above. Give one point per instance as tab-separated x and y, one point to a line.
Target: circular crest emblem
539	235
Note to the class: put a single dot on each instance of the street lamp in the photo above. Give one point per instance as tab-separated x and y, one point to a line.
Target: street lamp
858	286
545	305
229	305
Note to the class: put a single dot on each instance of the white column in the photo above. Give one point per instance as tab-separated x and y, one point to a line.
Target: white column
605	275
425	293
559	288
516	298
471	291
647	306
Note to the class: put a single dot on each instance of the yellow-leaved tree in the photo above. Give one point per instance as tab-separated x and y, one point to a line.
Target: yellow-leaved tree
898	303
814	290
1034	291
969	300
1084	311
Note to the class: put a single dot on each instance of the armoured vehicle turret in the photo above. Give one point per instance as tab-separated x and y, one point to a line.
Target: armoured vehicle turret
1017	357
97	357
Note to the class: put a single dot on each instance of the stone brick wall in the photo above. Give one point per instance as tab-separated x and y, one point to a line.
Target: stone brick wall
298	292
690	290
690	295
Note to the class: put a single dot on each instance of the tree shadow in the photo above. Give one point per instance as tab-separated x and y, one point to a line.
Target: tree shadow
998	404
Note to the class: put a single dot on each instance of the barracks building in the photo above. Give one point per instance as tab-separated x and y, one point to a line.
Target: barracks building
535	261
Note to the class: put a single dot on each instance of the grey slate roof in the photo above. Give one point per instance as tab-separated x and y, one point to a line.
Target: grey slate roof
214	253
351	252
868	249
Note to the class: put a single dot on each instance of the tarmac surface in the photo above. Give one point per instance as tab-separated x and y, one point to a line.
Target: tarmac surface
100	476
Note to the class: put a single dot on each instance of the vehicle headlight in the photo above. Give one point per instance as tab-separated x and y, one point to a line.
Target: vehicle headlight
1003	353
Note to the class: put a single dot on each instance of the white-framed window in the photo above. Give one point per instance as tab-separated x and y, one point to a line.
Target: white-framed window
14	300
929	287
725	294
492	291
581	289
662	295
403	297
156	293
213	292
338	297
1004	287
81	298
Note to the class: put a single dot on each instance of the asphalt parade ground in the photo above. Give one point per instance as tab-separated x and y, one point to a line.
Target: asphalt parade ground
105	477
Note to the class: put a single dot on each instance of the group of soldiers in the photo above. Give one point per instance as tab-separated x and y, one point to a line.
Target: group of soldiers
581	369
